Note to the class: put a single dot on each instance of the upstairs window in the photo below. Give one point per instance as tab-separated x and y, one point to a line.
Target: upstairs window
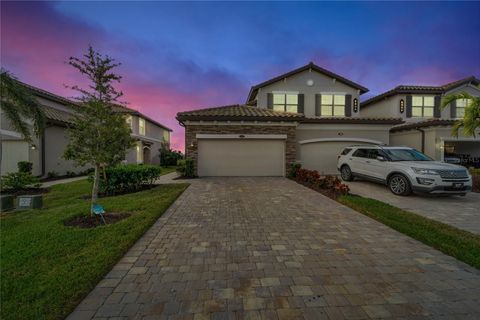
422	106
166	136
129	120
332	105
461	104
285	102
141	126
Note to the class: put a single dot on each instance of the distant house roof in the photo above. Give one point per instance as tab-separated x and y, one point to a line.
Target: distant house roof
237	112
421	89
248	113
253	90
423	124
66	117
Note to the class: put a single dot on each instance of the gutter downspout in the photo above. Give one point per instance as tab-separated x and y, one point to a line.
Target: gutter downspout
423	139
43	153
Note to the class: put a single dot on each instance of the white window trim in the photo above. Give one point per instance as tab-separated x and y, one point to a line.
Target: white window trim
423	105
333	105
144	133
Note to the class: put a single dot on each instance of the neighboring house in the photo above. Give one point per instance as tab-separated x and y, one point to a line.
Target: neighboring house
427	127
307	115
47	150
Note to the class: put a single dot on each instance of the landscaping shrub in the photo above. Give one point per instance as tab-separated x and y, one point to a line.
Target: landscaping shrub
25	166
52	174
128	178
292	170
331	186
15	181
186	168
169	157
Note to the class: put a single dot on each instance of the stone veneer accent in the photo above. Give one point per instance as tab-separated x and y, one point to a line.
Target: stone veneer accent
191	143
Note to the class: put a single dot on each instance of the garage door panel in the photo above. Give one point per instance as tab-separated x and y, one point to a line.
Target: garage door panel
224	157
323	156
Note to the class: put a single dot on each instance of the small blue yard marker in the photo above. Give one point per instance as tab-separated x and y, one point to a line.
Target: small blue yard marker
99	210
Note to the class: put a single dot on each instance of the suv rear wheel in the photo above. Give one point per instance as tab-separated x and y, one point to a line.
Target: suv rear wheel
399	185
346	173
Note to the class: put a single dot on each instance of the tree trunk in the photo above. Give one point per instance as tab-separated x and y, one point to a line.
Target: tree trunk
96	180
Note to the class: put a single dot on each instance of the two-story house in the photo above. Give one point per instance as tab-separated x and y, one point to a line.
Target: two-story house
307	115
427	126
46	151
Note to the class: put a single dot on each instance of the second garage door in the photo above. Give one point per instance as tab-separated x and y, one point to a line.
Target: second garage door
323	156
237	158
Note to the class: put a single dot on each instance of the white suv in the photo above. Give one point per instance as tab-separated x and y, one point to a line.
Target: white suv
403	170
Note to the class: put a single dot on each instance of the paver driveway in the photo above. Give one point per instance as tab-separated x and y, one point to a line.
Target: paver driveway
254	248
458	211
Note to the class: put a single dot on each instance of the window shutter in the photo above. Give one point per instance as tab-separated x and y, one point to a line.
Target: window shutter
270	100
348	105
318	101
437	113
301	98
408	103
453	109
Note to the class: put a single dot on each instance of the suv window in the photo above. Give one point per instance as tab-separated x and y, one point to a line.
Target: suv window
361	153
346	151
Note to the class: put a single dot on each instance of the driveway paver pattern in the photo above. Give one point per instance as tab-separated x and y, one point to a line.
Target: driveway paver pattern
460	212
268	248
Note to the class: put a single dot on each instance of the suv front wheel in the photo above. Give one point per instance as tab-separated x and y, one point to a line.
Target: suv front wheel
399	185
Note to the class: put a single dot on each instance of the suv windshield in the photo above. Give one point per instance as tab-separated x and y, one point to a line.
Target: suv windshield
406	155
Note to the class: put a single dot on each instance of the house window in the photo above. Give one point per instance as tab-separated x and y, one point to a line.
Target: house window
129	121
285	102
141	126
461	104
166	136
332	105
422	106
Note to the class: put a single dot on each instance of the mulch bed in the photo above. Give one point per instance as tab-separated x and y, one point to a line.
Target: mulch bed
326	192
96	221
28	191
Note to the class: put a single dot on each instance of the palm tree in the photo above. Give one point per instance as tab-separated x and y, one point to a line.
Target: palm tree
471	119
17	105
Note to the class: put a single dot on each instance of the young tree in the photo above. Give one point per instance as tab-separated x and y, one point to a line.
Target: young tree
17	105
99	136
471	120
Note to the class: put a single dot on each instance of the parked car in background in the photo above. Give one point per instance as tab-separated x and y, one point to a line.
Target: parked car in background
404	170
452	159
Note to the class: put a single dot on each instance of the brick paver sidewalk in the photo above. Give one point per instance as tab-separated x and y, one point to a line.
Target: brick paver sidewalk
268	248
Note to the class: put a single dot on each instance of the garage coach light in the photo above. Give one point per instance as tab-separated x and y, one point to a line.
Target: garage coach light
402	105
355	105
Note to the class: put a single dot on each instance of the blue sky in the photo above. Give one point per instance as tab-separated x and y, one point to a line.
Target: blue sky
180	56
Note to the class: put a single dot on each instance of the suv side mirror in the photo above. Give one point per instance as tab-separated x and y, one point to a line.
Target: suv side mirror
381	158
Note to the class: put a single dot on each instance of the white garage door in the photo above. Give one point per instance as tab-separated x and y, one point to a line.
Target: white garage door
323	156
12	153
236	158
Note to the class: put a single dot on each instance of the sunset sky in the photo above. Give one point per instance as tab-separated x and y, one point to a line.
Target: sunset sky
182	56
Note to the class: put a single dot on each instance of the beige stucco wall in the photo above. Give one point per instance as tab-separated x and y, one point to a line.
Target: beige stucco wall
153	138
434	138
298	83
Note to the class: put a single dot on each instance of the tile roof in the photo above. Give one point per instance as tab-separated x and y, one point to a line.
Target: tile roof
57	115
62	116
353	120
311	65
248	113
421	89
423	124
237	112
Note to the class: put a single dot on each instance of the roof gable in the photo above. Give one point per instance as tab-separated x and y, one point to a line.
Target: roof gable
402	89
312	66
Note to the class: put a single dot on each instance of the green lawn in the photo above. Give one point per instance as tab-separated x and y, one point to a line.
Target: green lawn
463	245
169	169
47	268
